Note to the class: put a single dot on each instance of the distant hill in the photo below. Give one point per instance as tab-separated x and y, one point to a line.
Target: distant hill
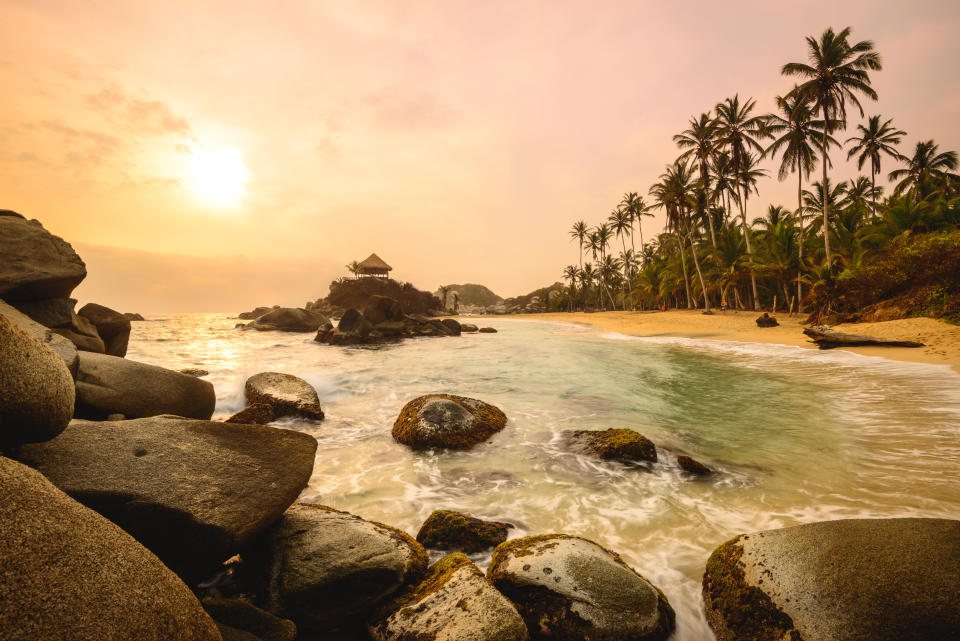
473	295
537	300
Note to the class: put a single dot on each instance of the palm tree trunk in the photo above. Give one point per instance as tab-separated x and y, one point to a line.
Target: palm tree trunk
703	284
824	195
705	179
686	279
873	189
746	236
800	248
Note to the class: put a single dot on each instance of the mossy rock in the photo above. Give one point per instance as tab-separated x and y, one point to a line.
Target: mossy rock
453	602
447	421
616	444
693	466
571	589
449	530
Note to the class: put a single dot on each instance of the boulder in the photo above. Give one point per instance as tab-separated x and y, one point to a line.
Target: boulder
448	421
487	330
391	329
256	313
452	326
615	444
66	350
36	264
382	308
454	602
285	393
569	588
449	530
109	384
353	322
849	580
468	328
287	319
767	321
82	333
243	615
195	372
49	312
693	466
133	316
194	492
324	568
255	414
36	388
113	327
68	573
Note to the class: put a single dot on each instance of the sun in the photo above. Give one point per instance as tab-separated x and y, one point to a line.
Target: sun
219	177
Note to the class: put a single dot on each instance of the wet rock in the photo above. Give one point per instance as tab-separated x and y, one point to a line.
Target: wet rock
452	326
36	264
569	588
255	414
68	573
36	388
449	530
287	319
49	312
195	371
111	326
324	568
616	444
66	350
454	602
849	580
253	314
468	328
285	393
380	309
133	316
448	421
350	321
487	330
693	466
109	384
391	329
243	615
194	492
767	321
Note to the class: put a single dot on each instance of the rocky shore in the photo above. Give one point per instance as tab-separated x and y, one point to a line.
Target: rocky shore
160	523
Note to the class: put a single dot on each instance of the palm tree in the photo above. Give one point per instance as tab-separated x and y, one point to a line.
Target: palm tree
579	231
600	238
860	192
354	268
723	183
637	209
837	72
820	199
926	169
874	139
620	223
700	141
571	273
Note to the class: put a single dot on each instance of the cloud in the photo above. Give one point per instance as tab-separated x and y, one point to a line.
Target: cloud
138	116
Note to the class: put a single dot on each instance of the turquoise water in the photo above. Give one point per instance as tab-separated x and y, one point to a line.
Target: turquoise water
796	435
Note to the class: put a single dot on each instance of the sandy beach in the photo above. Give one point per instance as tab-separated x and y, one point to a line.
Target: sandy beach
942	340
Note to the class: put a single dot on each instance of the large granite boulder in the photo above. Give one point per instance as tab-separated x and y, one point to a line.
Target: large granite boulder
382	308
850	580
285	393
287	319
615	444
114	385
448	421
194	492
353	322
324	568
255	414
66	350
112	326
83	334
49	312
36	388
36	264
454	602
569	588
69	573
449	530
451	326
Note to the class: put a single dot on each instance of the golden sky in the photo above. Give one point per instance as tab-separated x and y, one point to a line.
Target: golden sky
213	156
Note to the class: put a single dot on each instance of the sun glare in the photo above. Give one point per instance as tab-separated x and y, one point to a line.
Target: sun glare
219	177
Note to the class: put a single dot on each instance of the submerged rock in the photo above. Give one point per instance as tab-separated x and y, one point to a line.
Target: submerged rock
569	588
69	573
133	316
109	384
325	568
194	492
36	388
449	530
693	466
487	330
285	393
113	327
445	420
66	350
616	444
254	414
195	371
849	580
454	602
36	264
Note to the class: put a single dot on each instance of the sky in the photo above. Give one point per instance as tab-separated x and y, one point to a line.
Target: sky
216	156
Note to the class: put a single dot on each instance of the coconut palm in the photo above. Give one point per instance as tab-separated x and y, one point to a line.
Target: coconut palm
860	193
571	273
579	231
620	223
926	170
700	141
875	139
354	268
637	210
837	72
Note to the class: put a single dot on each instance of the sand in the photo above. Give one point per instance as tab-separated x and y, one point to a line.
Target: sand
942	340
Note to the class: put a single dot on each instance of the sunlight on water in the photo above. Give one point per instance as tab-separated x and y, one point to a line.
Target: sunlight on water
796	435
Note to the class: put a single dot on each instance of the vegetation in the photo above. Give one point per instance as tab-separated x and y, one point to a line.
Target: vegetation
842	247
348	292
473	295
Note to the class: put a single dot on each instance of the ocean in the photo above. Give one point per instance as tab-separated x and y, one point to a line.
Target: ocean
794	435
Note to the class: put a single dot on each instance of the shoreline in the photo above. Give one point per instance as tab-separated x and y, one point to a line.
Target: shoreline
942	340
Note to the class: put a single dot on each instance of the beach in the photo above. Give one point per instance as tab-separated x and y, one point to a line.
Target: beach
941	340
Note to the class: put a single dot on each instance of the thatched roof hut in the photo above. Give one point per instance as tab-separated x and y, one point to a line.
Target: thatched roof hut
374	266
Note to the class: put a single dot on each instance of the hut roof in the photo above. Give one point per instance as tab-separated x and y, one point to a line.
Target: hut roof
374	262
